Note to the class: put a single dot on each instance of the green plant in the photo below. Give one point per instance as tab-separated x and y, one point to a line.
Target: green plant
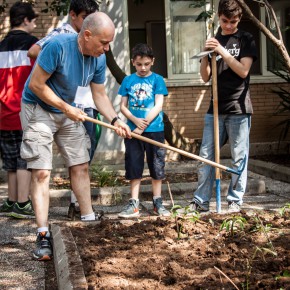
284	209
233	224
258	251
117	196
182	216
102	177
258	227
284	274
284	105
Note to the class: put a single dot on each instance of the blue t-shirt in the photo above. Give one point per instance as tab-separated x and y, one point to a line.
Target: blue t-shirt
61	58
141	93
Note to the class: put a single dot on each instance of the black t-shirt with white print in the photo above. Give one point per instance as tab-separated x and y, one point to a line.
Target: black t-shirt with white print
233	91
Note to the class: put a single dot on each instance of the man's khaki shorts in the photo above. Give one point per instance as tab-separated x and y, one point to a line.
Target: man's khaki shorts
41	128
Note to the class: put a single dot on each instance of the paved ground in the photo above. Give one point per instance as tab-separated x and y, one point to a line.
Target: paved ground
19	271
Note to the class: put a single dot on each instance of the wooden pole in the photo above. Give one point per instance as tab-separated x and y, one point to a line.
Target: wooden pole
162	145
216	130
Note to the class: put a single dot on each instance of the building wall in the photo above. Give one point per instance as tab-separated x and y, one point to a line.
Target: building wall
186	107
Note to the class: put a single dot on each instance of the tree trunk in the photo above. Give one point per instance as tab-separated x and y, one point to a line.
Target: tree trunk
277	42
173	137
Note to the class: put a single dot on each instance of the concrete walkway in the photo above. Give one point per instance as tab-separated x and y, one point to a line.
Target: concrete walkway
17	237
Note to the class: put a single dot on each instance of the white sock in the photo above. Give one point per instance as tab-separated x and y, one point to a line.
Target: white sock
73	198
88	217
43	229
156	197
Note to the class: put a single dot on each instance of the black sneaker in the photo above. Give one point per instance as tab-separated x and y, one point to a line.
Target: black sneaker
73	211
43	251
25	212
6	209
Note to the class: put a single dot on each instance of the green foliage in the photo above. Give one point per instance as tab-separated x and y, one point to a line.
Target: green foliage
103	177
258	227
284	105
60	7
284	209
233	225
285	273
4	4
181	215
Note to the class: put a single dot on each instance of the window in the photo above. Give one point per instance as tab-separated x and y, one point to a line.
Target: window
282	11
185	38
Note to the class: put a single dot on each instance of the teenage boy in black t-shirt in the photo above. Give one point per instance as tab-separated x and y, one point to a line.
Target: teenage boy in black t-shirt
236	51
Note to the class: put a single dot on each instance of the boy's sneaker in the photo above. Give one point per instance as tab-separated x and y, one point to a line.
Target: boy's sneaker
130	210
6	209
159	208
43	251
25	212
73	211
233	207
192	208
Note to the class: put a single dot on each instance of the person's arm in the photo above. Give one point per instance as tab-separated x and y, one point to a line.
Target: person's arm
241	68
156	109
34	51
105	107
205	70
139	122
39	87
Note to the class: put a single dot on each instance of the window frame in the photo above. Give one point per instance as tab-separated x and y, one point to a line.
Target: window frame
195	79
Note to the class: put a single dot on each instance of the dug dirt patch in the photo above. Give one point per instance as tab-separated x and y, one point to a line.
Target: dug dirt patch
251	252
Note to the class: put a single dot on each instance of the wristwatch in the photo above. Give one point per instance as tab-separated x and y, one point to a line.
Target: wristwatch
114	120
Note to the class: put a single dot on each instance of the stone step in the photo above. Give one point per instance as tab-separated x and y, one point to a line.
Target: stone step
115	195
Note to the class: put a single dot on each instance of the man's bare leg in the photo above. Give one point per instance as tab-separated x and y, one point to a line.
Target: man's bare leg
40	195
80	183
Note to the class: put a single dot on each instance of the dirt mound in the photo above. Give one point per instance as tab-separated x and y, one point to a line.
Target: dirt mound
252	251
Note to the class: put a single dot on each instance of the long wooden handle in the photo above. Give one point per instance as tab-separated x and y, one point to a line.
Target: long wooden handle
162	145
215	113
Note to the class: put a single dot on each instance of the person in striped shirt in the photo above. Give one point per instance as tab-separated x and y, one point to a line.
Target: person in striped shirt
15	68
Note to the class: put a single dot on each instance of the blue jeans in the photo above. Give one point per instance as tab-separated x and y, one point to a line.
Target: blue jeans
236	130
91	130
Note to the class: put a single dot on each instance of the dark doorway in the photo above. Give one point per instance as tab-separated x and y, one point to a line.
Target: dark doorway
147	25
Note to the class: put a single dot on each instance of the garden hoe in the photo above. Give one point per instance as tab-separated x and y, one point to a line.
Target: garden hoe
216	126
182	152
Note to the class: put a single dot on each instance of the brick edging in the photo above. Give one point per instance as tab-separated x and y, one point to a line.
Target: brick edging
67	261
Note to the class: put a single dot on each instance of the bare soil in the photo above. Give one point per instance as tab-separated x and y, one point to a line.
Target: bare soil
183	253
153	254
179	253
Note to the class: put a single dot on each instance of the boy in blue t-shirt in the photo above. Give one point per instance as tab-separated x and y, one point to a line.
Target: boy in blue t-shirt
142	100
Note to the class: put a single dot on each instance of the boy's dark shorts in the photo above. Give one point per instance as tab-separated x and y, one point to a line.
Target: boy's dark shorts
10	142
135	153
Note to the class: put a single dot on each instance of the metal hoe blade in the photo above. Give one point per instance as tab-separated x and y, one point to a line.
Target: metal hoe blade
202	54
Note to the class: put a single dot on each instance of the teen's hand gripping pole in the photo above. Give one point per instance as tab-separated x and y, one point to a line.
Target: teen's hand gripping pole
162	145
216	130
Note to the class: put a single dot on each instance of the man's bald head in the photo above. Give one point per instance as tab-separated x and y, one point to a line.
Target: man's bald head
97	32
97	22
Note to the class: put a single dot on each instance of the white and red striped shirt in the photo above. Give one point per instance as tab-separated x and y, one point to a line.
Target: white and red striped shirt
15	67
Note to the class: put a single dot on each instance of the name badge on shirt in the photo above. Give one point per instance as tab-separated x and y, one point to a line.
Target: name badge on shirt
84	96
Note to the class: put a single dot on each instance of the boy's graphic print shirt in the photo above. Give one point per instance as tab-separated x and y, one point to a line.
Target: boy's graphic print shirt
141	92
